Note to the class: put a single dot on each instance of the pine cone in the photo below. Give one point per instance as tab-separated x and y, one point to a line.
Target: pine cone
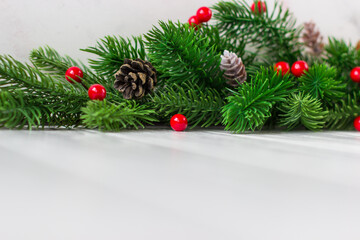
358	46
312	39
135	78
234	69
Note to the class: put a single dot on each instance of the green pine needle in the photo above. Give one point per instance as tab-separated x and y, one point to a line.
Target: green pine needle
342	114
109	116
15	75
303	109
190	81
16	112
251	104
64	101
50	61
180	55
344	57
200	107
273	33
320	82
111	52
212	33
19	110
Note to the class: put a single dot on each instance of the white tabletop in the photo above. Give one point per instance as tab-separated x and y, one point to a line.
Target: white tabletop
164	185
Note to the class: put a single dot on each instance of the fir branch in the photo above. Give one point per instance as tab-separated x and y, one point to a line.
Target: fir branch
199	106
16	75
273	32
16	112
344	57
41	89
109	116
19	110
179	55
50	61
111	52
251	105
342	115
303	109
252	60
320	82
221	43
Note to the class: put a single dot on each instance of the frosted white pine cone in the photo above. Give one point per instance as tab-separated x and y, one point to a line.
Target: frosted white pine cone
234	69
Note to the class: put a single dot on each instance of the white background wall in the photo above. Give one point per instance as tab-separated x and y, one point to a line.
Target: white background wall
69	25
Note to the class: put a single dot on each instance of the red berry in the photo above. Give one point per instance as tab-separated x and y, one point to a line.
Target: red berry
204	14
178	122
284	67
299	68
357	124
194	21
97	92
355	75
261	7
74	73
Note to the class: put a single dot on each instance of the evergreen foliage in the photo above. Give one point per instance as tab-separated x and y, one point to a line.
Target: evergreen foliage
19	110
344	57
177	53
320	82
342	115
302	109
213	34
251	104
50	61
16	112
200	107
273	34
249	58
190	82
18	76
109	116
62	101
111	52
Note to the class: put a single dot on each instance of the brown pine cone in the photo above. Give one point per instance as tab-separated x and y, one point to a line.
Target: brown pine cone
358	46
135	78
312	39
234	69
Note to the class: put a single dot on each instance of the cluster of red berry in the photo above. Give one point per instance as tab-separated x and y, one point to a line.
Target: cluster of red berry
300	67
95	92
355	77
203	15
297	69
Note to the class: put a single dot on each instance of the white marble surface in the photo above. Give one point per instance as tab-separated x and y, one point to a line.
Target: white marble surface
69	25
161	185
